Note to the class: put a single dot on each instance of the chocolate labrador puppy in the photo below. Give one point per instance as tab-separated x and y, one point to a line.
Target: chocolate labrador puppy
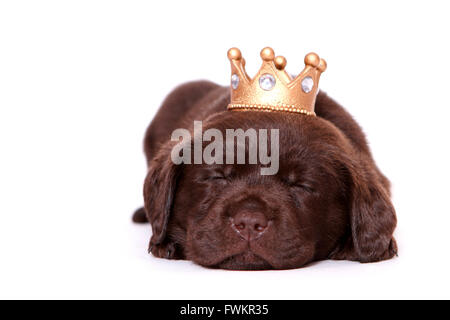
328	200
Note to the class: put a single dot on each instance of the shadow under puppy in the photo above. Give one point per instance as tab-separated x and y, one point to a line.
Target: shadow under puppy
328	199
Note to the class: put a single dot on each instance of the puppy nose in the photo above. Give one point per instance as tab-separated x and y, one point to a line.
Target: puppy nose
250	225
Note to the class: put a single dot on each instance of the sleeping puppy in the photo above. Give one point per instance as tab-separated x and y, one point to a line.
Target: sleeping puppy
328	199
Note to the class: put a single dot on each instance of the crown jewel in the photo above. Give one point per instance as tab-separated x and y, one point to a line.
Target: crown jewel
273	89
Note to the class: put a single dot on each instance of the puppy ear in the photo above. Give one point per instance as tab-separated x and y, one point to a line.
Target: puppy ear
372	219
159	193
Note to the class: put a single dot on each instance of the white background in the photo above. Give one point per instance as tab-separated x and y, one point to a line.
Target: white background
80	81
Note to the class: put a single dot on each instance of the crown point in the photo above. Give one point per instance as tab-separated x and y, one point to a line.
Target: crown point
312	60
234	54
280	62
322	65
267	54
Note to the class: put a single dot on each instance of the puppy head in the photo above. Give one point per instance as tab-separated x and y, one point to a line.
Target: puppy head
325	201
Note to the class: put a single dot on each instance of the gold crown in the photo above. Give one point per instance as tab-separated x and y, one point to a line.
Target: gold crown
273	89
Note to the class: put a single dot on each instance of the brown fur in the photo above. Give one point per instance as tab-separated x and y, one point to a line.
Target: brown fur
328	200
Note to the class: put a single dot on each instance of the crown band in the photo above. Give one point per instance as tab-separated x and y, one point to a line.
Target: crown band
268	108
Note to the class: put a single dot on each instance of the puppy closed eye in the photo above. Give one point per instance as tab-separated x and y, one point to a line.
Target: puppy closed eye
303	186
296	183
215	175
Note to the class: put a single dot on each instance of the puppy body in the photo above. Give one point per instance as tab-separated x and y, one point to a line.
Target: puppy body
328	200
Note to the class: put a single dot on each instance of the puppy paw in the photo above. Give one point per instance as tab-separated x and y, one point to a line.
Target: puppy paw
166	250
140	216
